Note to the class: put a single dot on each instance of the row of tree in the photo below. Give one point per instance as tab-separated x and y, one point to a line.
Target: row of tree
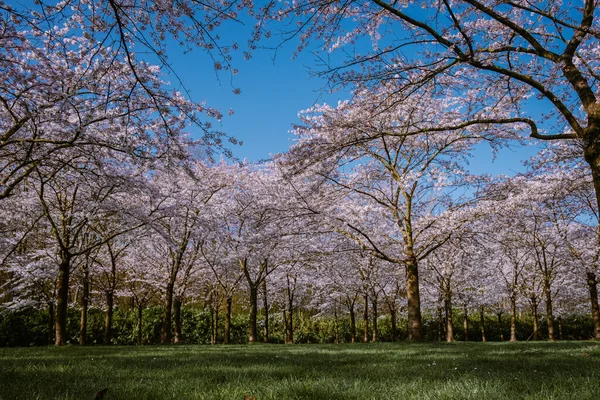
102	191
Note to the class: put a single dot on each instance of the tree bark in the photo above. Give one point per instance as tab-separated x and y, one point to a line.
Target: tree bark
393	320
140	314
466	324
215	324
500	327
165	333
108	320
560	327
227	338
62	299
592	283
375	333
449	320
482	320
289	322
513	319
549	316
51	323
85	289
266	308
534	315
336	330
415	331
366	318
352	324
252	337
440	320
178	334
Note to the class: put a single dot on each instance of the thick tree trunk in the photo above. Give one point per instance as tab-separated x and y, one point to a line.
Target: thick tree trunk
165	333
534	316
466	324
592	156
62	299
592	283
482	321
108	318
366	318
140	314
178	334
415	331
500	327
375	333
85	295
549	316
227	338
253	337
266	308
352	325
513	319
449	321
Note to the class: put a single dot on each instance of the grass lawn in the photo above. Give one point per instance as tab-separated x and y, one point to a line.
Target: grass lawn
565	370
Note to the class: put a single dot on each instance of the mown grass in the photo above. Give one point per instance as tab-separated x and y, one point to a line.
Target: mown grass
565	370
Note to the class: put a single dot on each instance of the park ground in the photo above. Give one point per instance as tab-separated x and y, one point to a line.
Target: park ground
538	370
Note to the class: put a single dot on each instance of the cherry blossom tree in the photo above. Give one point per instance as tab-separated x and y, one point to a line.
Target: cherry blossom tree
509	58
73	78
401	163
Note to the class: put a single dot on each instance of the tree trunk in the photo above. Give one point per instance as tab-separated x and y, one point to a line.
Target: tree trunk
560	328
62	299
449	321
215	327
393	320
466	324
165	333
252	337
140	314
592	156
336	330
177	303
440	320
592	283
534	315
549	316
513	319
227	338
85	286
108	320
374	330
51	323
415	331
482	320
366	318
352	324
500	327
289	323
266	308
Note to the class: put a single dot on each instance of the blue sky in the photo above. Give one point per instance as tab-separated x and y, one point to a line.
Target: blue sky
273	91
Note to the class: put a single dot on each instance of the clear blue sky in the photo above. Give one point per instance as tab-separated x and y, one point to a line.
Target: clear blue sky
273	91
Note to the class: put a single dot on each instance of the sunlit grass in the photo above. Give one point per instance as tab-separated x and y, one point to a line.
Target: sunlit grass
566	370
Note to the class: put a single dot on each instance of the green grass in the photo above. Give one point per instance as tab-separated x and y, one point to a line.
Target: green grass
565	370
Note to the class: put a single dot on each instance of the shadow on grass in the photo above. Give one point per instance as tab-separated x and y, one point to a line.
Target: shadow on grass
375	371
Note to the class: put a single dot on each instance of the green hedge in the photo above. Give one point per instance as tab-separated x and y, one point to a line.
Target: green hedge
30	327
